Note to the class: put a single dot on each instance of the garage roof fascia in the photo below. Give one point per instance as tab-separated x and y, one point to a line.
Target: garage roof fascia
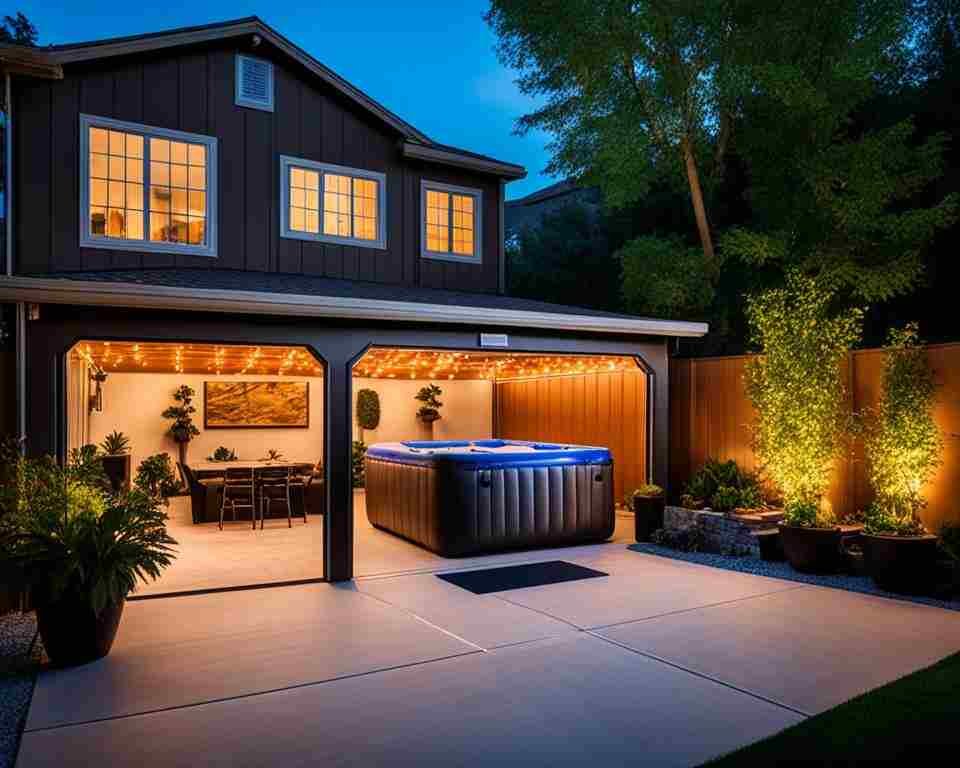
38	290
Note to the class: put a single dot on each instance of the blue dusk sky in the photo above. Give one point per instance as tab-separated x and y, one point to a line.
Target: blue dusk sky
445	78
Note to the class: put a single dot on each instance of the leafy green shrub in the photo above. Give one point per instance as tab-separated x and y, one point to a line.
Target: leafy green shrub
807	514
86	466
903	443
797	386
726	499
115	444
358	472
222	453
722	485
65	538
430	397
368	409
155	477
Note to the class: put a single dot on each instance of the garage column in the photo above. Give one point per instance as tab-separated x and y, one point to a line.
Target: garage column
338	545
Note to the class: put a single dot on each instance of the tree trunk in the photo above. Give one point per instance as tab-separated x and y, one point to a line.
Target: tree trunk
696	195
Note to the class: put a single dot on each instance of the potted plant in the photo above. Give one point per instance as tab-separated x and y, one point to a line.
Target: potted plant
155	477
116	460
222	453
182	430
903	446
429	412
368	410
272	455
79	549
797	389
648	506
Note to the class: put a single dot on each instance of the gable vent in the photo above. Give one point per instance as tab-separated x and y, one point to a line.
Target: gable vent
254	83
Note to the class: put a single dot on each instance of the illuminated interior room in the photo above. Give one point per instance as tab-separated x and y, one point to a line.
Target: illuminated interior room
259	410
576	400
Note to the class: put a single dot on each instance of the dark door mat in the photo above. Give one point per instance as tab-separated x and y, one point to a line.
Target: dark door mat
519	576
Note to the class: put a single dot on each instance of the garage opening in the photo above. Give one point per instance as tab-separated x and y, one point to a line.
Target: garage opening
412	405
254	416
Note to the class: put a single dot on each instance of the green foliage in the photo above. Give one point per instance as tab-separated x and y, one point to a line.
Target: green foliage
358	472
86	466
430	397
272	454
796	385
65	538
222	453
879	518
368	409
182	430
903	443
664	277
115	444
724	486
155	478
807	513
649	490
18	30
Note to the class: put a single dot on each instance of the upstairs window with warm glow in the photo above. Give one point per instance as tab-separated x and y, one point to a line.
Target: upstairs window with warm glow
332	204
451	222
147	189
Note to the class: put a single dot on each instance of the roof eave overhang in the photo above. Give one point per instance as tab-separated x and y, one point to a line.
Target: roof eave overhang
94	293
133	45
447	157
28	62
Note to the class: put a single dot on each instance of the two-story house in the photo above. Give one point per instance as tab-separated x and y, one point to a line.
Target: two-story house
212	205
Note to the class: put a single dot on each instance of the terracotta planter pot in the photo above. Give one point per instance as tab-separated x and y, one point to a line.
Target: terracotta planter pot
906	564
72	634
647	515
812	550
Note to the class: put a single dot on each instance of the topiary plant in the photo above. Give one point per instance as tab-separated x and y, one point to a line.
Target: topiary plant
430	397
797	387
182	430
368	410
903	443
115	444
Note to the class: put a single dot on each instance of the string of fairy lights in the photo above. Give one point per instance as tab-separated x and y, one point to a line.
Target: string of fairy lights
376	363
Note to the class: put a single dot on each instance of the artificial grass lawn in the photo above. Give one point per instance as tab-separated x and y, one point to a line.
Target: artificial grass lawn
909	721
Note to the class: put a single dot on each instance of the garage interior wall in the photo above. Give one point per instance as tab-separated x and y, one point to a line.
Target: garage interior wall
607	409
467	412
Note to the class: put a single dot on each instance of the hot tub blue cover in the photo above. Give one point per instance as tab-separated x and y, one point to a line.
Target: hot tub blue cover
488	453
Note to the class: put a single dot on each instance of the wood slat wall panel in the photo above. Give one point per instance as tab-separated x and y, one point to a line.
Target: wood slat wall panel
711	417
608	409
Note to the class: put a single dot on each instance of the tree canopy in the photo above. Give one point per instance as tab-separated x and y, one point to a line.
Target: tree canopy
18	29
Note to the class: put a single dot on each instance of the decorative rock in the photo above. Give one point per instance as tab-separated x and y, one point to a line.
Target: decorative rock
723	533
17	673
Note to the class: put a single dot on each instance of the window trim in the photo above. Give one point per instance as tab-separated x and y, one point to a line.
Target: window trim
287	162
238	96
87	240
477	195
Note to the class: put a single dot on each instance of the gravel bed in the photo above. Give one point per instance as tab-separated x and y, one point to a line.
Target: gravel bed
782	570
17	674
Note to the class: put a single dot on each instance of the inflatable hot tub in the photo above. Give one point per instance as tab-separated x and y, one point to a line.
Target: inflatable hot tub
459	498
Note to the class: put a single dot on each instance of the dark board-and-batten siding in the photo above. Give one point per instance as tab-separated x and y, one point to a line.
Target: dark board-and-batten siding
194	91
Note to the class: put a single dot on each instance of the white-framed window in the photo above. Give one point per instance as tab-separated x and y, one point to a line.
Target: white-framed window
332	203
147	189
450	222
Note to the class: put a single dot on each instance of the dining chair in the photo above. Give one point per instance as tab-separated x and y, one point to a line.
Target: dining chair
205	501
238	484
274	485
300	480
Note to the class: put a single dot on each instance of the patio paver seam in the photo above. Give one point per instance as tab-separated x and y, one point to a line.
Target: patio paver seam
697	673
251	694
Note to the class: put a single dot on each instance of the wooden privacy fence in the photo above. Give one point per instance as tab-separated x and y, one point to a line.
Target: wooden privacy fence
607	409
711	417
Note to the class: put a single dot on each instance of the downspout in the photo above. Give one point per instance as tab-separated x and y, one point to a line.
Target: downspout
21	315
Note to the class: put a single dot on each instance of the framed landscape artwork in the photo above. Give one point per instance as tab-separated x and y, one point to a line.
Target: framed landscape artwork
256	404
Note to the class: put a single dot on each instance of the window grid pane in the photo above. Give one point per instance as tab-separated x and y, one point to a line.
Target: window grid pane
304	200
336	205
364	209
115	184
178	191
438	221
462	225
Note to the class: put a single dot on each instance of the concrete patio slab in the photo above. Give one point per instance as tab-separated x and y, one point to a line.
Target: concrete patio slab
567	701
639	587
181	651
811	648
487	621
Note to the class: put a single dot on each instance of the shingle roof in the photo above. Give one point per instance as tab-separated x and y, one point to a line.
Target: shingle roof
308	285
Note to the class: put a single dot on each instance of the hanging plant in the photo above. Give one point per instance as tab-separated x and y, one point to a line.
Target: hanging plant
430	397
797	388
903	443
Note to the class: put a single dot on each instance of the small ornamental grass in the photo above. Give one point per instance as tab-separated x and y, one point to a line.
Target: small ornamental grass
902	440
797	388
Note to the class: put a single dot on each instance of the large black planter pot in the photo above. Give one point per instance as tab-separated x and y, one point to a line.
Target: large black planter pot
117	470
812	550
647	515
906	564
72	634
